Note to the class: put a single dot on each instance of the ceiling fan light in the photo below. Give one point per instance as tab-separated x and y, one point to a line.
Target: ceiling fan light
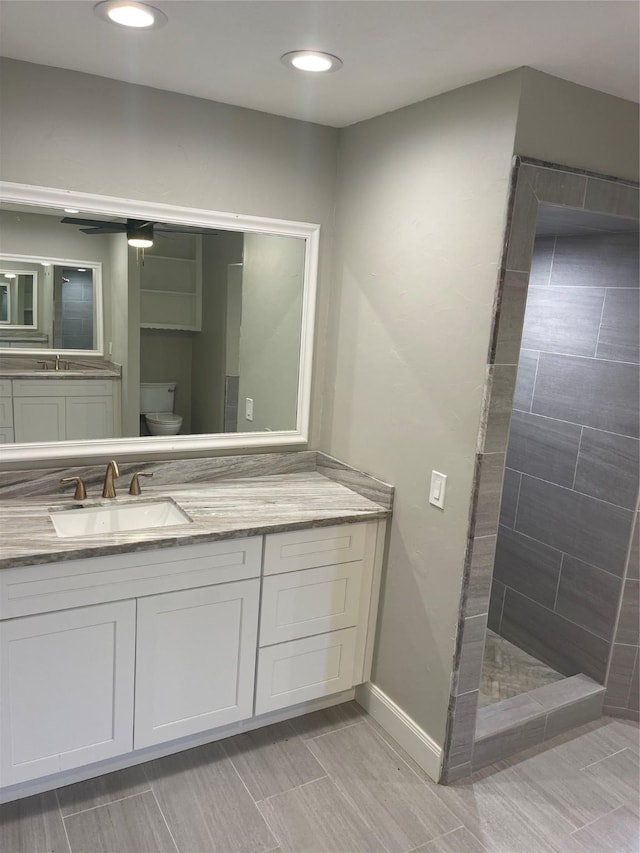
140	242
130	13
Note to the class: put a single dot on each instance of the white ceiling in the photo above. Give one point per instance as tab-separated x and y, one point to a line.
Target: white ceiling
395	52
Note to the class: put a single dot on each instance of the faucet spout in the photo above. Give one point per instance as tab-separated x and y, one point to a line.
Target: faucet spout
111	474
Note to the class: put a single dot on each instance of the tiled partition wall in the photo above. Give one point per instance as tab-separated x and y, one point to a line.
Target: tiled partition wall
571	481
533	184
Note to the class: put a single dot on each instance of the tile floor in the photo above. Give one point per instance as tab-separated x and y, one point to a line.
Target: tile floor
332	782
508	671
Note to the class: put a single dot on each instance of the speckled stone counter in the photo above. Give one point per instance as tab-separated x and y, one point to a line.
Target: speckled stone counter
219	510
29	367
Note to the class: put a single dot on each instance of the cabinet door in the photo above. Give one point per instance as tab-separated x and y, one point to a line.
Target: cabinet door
195	661
39	418
89	417
66	688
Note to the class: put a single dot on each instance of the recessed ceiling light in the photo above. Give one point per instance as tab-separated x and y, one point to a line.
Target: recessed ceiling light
71	210
311	60
82	269
129	13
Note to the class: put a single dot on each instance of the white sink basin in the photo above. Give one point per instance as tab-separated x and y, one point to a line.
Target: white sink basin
118	518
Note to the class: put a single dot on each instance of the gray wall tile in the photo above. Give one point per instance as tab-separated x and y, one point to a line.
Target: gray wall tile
525	381
511	318
463	726
611	197
561	644
563	319
633	567
479	582
589	597
623	661
609	467
579	525
556	187
634	691
528	566
507	713
573	715
496	603
619	337
543	447
474	629
541	261
516	739
565	692
629	624
600	394
607	260
489	492
503	383
522	231
510	492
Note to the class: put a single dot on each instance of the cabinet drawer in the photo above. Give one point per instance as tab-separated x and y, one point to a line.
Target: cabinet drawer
62	387
57	586
311	601
301	670
306	549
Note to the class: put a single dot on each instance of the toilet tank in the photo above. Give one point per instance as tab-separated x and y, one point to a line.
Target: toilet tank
157	397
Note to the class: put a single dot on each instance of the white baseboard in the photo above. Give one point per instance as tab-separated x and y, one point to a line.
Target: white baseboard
408	734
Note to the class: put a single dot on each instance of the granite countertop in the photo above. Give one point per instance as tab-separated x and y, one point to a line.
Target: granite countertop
30	368
220	510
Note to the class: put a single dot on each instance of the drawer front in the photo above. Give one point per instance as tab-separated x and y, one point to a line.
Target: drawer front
311	601
5	387
55	387
57	586
320	546
301	670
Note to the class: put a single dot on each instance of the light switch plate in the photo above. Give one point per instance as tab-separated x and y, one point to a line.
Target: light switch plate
438	489
248	408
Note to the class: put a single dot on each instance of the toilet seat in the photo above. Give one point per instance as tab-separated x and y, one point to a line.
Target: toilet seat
165	418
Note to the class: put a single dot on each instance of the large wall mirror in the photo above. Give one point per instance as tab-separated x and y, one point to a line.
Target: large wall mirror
141	329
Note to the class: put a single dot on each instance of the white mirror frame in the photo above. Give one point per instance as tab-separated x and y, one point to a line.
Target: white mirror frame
5	260
139	447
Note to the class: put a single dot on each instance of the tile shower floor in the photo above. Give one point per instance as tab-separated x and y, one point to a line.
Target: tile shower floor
332	782
508	671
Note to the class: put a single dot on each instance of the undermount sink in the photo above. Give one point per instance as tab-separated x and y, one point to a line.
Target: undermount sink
118	518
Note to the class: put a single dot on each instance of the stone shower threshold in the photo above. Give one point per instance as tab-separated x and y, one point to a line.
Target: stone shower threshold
509	671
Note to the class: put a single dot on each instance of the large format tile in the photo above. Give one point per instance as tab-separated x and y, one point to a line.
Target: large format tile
616	832
525	380
32	825
479	584
135	824
553	186
619	338
509	672
506	714
400	808
470	664
511	318
327	720
609	467
541	261
553	311
629	624
575	714
528	566
456	841
516	738
510	493
316	818
633	566
581	526
272	759
588	596
623	661
207	807
496	433
489	492
552	639
613	197
523	225
463	726
600	394
543	447
496	604
102	790
618	773
607	260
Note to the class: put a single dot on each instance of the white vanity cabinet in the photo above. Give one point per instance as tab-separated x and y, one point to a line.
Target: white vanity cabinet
105	659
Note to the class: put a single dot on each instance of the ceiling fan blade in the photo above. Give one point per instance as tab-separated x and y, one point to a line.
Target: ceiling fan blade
185	229
92	223
116	228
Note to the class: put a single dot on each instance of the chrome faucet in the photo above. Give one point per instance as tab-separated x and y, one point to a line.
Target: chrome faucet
57	363
111	474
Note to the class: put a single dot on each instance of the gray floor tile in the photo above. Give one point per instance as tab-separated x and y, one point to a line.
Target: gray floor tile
619	773
583	527
629	625
102	790
271	760
527	565
134	825
543	447
316	818
619	337
617	832
609	260
328	720
32	825
400	807
594	741
457	841
551	311
588	596
510	492
609	467
525	380
599	394
206	805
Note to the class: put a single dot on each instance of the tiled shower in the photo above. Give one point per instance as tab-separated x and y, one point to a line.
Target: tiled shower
572	467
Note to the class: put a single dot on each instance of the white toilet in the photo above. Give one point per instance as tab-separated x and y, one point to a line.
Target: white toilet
156	404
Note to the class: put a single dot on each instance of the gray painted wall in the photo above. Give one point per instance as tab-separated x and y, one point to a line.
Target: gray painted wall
571	481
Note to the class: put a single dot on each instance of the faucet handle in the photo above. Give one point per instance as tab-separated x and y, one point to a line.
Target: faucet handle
134	488
80	493
45	365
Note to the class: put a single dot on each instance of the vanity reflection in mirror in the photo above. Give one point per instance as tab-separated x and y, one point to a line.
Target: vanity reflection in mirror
203	331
